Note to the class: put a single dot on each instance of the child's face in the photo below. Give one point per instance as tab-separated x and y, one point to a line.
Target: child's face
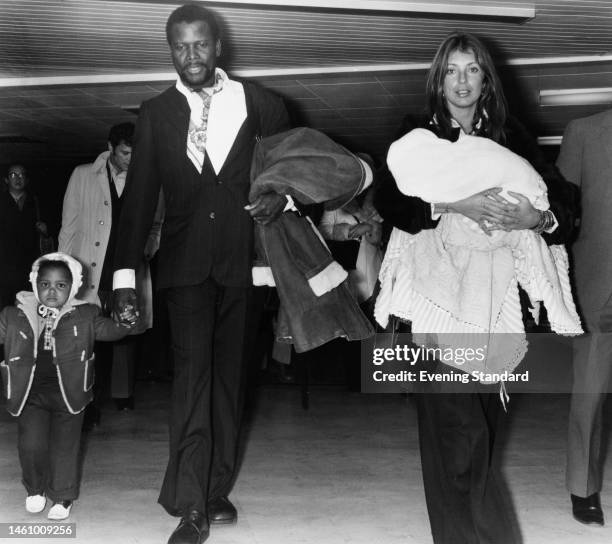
53	286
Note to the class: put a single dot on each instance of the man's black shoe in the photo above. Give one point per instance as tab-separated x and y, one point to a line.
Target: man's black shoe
587	510
221	511
192	529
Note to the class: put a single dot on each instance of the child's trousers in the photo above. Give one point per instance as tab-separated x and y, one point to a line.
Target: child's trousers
49	443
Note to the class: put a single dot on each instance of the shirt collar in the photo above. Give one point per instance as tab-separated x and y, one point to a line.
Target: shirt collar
220	78
19	198
113	170
455	124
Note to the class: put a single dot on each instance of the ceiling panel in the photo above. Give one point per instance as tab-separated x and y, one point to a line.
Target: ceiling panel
63	37
361	108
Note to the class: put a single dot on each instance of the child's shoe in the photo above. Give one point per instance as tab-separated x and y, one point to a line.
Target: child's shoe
60	510
35	503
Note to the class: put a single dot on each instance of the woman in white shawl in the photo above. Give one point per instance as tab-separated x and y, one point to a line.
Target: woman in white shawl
473	259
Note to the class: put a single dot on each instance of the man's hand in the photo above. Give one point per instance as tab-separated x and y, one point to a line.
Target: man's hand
267	207
125	306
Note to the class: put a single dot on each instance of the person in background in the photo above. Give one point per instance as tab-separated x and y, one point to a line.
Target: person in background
353	234
585	160
21	232
90	215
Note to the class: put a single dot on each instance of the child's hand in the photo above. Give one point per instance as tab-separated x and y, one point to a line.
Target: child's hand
128	316
359	230
375	234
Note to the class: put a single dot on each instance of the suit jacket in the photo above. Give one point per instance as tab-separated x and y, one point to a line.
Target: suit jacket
586	160
206	231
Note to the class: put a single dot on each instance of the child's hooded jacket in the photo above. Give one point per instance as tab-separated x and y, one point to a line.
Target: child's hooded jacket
76	328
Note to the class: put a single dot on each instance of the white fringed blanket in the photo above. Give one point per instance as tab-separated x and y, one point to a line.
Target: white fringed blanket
455	279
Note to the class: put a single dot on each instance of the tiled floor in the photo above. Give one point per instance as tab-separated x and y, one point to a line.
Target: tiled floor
346	471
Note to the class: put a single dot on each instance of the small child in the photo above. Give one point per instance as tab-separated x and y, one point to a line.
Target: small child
48	374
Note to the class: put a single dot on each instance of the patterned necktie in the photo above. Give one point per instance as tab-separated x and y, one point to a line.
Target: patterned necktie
197	134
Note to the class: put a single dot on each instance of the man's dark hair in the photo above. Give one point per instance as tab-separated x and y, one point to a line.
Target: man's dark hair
190	13
48	264
123	132
13	165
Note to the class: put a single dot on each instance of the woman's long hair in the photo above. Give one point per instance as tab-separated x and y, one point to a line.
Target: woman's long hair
491	109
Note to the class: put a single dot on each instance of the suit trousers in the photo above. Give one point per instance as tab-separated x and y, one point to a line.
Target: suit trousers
466	498
208	325
592	365
49	439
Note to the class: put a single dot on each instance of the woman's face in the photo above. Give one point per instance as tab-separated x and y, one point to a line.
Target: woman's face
463	81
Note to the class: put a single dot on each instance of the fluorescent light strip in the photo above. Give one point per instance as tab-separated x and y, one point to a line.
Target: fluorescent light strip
550	140
576	97
516	10
152	77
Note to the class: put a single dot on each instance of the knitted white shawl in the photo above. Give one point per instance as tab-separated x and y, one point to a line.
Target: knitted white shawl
455	279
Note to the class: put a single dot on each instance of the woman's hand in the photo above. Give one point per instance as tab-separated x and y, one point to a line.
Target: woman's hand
487	208
525	215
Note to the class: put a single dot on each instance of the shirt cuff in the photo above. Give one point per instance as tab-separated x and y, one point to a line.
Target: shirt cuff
290	206
124	279
554	226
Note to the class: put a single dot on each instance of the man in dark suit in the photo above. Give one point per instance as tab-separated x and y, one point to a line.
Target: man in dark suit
585	160
195	141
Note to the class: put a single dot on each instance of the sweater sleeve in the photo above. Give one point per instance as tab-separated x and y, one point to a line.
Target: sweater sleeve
108	330
407	213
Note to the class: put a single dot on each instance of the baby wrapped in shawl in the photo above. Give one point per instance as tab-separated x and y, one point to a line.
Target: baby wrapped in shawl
455	280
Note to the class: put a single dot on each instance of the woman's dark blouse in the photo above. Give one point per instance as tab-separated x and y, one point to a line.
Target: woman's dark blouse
412	214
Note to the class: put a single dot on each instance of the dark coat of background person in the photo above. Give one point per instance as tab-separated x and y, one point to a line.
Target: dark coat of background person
18	245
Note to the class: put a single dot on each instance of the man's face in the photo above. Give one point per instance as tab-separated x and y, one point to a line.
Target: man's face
53	286
120	156
194	53
16	178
